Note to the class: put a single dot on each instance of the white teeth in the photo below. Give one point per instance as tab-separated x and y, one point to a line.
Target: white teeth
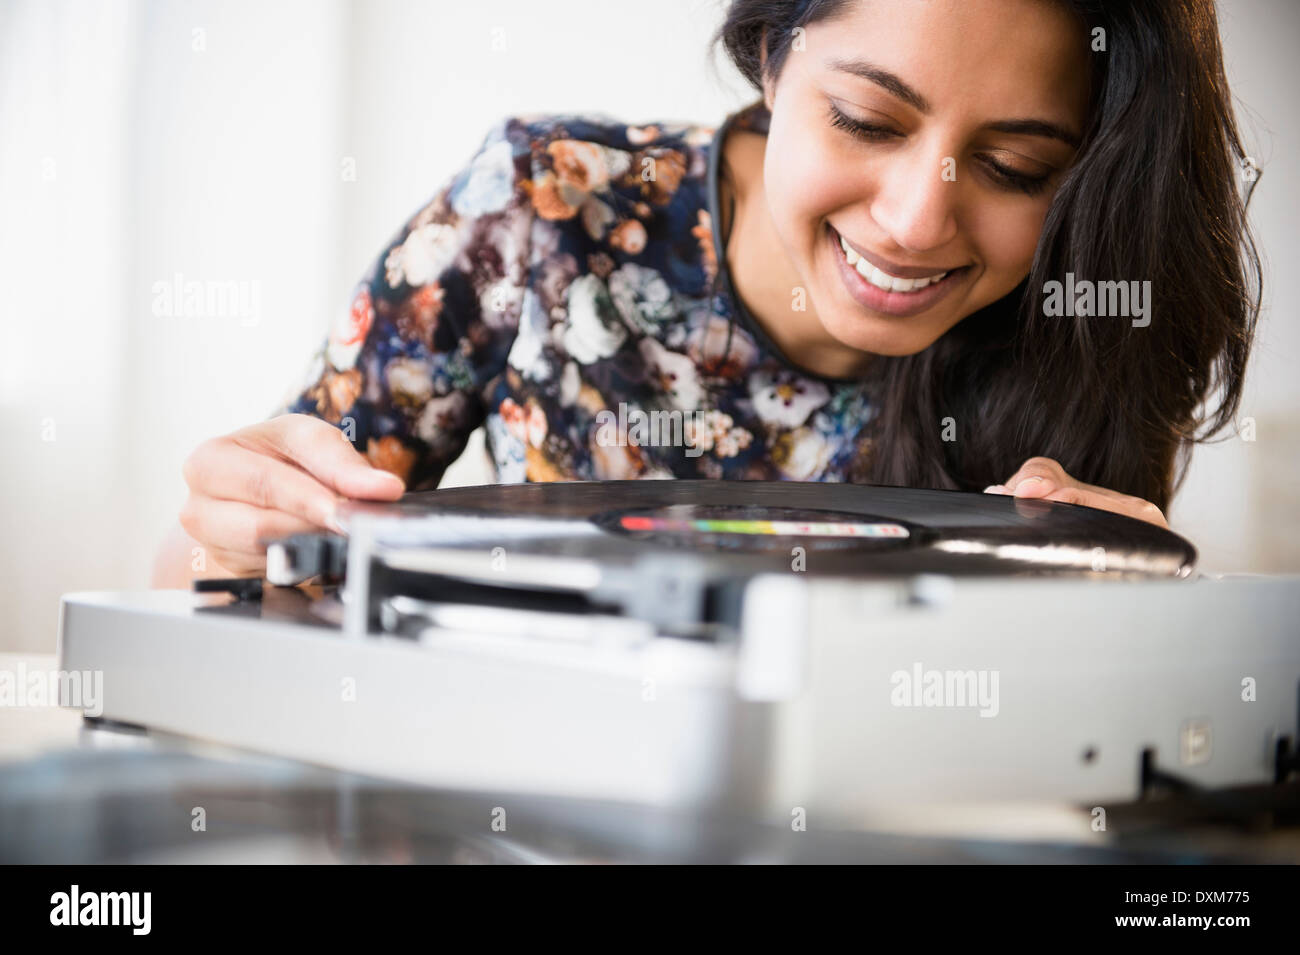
883	280
849	254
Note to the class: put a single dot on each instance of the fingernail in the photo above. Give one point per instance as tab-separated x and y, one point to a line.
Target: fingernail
1026	483
380	476
996	489
333	523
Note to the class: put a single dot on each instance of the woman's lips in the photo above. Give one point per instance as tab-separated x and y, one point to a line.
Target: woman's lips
900	304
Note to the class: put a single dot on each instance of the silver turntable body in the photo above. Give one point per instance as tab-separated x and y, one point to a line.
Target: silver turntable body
658	679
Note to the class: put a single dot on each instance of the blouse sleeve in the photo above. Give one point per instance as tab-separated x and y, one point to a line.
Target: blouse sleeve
404	368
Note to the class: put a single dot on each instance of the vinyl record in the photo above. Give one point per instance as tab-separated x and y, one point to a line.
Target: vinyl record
756	525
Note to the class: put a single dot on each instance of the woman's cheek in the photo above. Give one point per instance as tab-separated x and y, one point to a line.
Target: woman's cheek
1005	240
809	158
797	201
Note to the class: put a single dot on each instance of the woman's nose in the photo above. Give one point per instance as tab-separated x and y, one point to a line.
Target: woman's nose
915	203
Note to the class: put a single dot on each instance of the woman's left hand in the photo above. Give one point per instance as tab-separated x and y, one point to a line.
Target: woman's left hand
1045	479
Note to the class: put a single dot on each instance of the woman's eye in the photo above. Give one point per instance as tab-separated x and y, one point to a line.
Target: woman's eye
1003	176
865	131
1011	179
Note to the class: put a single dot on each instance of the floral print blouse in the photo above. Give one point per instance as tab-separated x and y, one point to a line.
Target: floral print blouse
568	290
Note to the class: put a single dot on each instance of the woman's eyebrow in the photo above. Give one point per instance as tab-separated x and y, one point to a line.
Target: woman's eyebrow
882	78
1035	127
893	84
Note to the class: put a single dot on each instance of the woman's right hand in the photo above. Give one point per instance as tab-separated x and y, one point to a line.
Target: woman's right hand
275	478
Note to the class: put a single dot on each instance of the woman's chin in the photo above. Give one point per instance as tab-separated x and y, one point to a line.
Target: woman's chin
880	335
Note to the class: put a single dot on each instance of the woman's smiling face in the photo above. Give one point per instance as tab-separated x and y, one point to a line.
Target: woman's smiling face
930	136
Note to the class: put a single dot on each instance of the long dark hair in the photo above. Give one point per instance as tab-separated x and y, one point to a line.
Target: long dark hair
1154	194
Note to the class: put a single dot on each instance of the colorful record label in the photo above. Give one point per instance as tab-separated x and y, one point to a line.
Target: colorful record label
765	527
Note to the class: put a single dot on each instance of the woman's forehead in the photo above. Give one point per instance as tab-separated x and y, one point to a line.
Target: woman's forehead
1023	55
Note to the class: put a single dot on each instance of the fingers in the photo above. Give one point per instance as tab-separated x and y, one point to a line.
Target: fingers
1045	479
235	528
1115	503
222	469
272	480
1033	486
324	452
1037	478
226	563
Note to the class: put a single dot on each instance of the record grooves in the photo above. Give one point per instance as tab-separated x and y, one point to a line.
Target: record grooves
850	529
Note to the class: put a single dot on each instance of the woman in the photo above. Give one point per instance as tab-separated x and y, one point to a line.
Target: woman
994	244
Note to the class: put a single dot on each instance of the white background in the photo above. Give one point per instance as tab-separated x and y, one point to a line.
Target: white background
127	155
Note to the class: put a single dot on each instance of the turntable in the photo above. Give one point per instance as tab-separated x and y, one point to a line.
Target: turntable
752	648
